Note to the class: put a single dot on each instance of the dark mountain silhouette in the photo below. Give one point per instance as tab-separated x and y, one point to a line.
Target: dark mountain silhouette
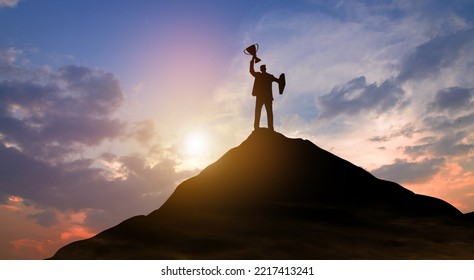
274	197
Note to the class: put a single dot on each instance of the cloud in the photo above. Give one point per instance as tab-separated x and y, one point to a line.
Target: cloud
8	3
53	127
402	171
52	113
407	131
44	218
142	131
430	58
452	144
13	181
452	99
449	144
357	96
143	189
79	186
442	123
7	58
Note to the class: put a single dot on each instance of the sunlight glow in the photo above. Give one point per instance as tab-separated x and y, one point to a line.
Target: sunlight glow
196	144
196	151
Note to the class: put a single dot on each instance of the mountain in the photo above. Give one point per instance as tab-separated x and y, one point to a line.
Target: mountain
275	197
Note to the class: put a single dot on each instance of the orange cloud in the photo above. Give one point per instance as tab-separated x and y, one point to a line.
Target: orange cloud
15	199
46	244
34	249
76	232
14	204
452	183
25	238
78	217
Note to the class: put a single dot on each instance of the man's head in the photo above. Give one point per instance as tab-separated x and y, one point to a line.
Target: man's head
263	68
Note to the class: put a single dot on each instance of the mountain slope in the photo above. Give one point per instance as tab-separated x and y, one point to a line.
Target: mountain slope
274	197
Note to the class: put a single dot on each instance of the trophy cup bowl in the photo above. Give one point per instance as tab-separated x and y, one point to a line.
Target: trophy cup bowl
252	50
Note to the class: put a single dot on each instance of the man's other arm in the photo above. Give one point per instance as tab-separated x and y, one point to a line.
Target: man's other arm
252	70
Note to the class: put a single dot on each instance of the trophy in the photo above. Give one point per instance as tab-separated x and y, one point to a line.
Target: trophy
252	50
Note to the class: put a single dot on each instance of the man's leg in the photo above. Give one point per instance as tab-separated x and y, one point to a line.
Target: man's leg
269	108
258	112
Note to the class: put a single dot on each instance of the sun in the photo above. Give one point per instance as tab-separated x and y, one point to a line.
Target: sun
196	151
196	144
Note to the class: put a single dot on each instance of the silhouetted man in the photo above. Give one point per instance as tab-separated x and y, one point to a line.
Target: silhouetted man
262	89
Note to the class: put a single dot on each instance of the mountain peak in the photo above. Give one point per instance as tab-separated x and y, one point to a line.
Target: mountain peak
263	198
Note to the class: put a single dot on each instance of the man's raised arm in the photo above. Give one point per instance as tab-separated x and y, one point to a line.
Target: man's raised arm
252	70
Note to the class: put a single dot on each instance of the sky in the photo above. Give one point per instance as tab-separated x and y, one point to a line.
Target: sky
106	106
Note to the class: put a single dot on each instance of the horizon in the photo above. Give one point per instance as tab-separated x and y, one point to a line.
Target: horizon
107	106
